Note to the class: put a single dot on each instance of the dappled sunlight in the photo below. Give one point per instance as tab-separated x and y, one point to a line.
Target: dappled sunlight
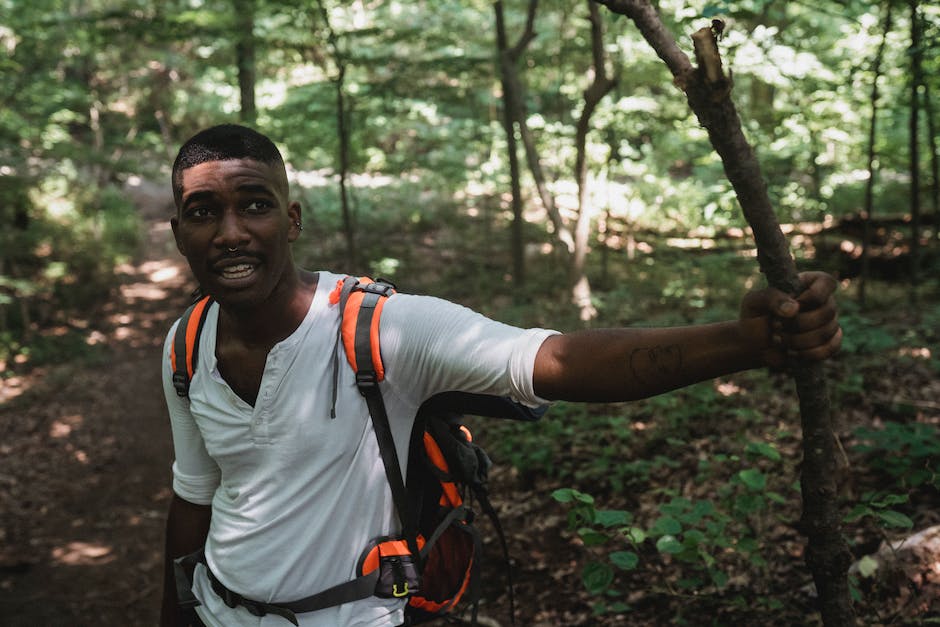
12	387
727	388
915	352
83	554
63	427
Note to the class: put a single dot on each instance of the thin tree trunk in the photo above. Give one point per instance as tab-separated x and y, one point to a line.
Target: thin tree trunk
509	69
599	87
342	131
708	92
870	184
934	157
245	58
916	79
510	96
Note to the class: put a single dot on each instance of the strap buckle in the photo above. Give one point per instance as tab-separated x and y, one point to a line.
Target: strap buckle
366	379
181	383
379	286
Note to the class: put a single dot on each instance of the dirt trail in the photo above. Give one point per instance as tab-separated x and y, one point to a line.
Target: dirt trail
85	461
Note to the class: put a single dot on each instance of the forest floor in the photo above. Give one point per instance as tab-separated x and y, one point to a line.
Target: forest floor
85	459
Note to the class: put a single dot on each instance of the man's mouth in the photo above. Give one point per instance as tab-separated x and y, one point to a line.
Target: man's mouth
238	271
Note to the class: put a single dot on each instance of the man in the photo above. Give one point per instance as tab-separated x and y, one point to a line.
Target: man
283	496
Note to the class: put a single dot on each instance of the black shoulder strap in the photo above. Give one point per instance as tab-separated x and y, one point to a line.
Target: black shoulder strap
367	380
184	353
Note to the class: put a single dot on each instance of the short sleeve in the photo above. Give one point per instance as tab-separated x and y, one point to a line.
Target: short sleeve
430	345
195	474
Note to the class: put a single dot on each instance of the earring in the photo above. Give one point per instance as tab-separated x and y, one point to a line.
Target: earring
299	225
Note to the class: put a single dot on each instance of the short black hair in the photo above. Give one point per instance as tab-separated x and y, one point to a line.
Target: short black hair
222	143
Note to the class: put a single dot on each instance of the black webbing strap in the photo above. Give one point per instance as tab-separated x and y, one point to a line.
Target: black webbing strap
183	356
367	382
354	590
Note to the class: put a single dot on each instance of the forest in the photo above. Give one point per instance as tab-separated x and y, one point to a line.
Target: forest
572	164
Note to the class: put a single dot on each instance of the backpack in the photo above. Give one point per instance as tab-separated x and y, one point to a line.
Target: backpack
436	560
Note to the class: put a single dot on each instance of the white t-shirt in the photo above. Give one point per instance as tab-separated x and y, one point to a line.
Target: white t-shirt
296	496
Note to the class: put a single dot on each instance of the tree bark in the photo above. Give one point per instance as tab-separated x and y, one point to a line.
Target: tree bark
708	92
510	97
342	132
870	184
599	87
917	78
509	70
934	158
245	58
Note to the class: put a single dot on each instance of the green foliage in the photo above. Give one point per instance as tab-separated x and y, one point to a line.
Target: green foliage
906	452
877	505
708	537
863	335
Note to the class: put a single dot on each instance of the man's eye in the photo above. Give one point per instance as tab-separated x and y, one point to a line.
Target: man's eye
199	212
258	206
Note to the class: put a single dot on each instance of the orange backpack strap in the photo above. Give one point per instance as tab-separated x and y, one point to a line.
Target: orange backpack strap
361	301
184	351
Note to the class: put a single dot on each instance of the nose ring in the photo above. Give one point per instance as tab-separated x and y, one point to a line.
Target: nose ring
233	250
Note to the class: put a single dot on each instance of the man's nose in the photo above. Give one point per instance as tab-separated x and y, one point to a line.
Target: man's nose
232	232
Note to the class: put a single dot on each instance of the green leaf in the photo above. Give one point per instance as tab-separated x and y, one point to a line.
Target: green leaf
591	537
666	525
753	479
693	538
597	576
892	518
669	544
857	512
867	566
567	495
887	500
624	560
763	449
749	503
776	497
635	535
613	518
719	578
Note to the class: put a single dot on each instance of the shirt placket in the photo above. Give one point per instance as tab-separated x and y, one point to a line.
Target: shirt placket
261	416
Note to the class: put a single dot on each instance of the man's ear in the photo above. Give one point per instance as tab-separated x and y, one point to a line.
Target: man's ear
296	222
175	225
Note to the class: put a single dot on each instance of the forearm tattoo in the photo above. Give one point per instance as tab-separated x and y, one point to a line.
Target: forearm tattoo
652	364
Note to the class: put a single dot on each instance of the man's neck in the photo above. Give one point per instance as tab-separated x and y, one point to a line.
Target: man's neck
273	320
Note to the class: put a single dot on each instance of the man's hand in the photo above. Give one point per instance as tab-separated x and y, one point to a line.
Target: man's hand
805	327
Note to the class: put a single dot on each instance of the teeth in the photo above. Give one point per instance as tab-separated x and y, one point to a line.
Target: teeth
238	272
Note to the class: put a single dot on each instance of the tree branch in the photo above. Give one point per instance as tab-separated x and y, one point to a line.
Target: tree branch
708	92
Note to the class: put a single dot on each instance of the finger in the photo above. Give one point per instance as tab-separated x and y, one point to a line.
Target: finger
810	340
769	301
824	351
817	289
810	320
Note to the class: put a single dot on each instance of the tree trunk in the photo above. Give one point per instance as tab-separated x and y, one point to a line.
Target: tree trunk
342	132
870	184
917	78
510	96
509	70
599	87
708	92
245	58
934	157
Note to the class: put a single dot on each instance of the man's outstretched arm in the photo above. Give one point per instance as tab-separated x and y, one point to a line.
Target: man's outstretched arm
633	363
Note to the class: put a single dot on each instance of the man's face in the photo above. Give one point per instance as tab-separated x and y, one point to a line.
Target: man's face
234	225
